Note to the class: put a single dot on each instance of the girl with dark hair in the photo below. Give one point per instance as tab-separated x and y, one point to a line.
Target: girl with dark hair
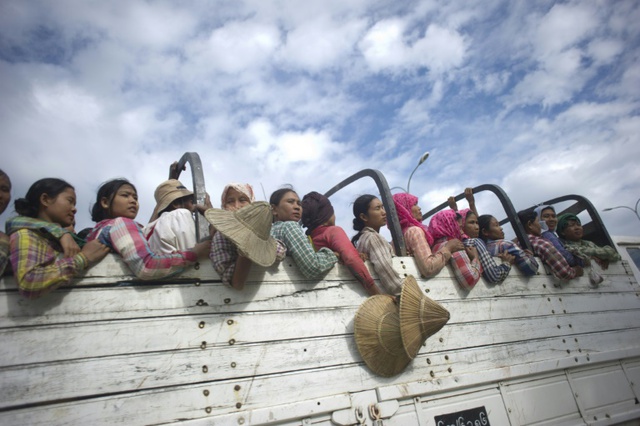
548	222
287	211
37	257
493	236
369	217
320	220
115	209
545	250
418	239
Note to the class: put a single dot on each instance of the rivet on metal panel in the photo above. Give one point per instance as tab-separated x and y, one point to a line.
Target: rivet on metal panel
432	374
553	311
241	421
564	341
588	359
236	387
449	369
239	405
233	365
208	410
564	311
544	286
548	299
426	290
441	340
232	341
203	345
575	339
607	416
404	266
205	369
230	321
205	392
200	302
197	283
576	359
576	394
428	361
446	357
509	409
568	351
227	301
570	326
558	325
579	350
595	417
455	379
201	325
416	400
196	266
560	299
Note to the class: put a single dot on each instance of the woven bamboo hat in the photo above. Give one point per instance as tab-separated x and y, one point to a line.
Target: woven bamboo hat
377	334
420	316
249	229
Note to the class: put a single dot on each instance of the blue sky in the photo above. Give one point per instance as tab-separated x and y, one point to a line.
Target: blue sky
541	98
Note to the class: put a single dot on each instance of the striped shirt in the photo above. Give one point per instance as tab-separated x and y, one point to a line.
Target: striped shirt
570	258
312	264
491	271
124	236
429	264
525	262
381	257
466	271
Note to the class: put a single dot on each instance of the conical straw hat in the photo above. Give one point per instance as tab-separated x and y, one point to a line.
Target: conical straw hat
377	334
249	229
420	316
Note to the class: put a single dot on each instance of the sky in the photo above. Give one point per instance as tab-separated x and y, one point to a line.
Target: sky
541	98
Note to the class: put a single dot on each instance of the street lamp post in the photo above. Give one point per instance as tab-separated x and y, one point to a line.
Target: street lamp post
626	207
423	158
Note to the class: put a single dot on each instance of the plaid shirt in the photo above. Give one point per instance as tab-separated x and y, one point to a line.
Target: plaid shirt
466	271
312	264
491	271
552	258
586	249
125	237
429	263
224	255
380	255
39	265
526	263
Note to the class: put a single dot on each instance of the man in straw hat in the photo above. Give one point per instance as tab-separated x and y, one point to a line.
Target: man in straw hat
171	227
388	337
243	237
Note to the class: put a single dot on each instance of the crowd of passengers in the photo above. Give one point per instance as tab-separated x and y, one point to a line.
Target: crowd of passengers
45	252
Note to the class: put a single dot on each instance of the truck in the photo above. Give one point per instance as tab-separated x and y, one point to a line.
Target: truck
109	349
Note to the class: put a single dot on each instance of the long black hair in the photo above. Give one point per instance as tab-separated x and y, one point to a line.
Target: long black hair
278	194
30	204
360	205
483	223
526	216
107	190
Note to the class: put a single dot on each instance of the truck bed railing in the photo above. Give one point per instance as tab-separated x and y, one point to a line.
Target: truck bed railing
199	190
385	193
505	201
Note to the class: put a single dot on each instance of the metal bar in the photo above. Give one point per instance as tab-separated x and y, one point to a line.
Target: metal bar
512	216
199	190
385	193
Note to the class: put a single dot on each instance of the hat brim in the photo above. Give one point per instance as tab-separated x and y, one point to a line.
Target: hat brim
166	202
420	317
260	251
377	335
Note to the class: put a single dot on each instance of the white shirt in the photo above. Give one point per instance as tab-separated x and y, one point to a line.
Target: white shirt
171	232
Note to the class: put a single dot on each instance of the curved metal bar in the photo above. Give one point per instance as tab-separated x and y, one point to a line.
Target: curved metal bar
199	190
594	230
512	216
383	187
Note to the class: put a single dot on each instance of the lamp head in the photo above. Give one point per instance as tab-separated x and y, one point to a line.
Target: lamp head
424	157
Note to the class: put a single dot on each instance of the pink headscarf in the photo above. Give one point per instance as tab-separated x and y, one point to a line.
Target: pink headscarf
243	188
464	213
404	202
445	224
